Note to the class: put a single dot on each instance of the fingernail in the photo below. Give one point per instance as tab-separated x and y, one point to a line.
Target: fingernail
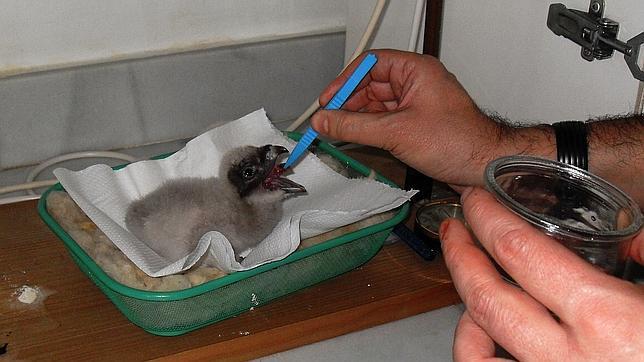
442	229
321	124
466	193
325	125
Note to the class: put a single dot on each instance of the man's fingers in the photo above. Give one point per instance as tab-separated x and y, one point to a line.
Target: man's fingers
540	264
388	74
372	92
355	102
335	85
471	342
362	128
367	92
637	248
508	315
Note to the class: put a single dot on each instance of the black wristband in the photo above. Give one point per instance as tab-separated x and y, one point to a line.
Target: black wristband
572	143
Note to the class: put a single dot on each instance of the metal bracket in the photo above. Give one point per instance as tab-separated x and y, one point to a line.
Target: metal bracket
596	35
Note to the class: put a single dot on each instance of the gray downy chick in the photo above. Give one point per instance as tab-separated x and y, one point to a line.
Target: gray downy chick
244	204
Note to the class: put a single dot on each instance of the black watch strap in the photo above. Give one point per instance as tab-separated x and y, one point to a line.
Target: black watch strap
572	143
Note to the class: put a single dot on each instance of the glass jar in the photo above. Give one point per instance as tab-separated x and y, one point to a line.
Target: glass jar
585	213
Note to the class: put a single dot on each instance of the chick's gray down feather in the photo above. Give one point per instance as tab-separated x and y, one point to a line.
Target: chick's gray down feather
244	204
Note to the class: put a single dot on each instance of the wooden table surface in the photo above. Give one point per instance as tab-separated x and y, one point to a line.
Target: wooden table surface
75	321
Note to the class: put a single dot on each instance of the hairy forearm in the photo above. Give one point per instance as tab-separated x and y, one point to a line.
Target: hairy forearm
616	152
504	138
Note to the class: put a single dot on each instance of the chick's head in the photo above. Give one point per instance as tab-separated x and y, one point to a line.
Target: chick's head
254	169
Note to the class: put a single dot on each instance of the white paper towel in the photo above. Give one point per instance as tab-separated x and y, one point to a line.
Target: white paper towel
332	200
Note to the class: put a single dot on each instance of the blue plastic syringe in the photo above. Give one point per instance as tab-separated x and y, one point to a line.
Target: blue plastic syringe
335	103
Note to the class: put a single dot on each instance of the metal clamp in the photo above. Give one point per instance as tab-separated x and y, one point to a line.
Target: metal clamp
596	35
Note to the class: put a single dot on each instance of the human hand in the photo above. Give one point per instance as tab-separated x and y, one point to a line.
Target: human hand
599	316
412	106
637	248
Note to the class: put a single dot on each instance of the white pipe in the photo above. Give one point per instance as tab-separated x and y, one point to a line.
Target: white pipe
371	26
26	186
14	199
31	184
72	156
362	44
416	25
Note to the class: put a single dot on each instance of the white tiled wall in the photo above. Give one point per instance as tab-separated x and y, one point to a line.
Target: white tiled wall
46	34
122	104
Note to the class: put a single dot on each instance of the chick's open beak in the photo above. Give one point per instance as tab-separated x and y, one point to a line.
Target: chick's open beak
273	152
275	179
288	186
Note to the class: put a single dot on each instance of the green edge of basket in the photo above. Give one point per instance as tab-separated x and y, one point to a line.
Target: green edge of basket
94	269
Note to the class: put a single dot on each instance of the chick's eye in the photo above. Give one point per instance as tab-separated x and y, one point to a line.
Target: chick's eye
248	173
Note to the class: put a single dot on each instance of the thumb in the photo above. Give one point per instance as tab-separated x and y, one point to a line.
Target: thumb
637	248
355	127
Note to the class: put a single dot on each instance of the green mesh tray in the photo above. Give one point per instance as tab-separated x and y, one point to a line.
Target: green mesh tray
178	312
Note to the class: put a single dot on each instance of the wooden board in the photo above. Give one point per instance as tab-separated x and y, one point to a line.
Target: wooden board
77	322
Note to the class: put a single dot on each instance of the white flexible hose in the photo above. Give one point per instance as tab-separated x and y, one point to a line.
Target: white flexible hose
304	116
26	186
31	184
371	26
72	156
362	44
415	25
14	199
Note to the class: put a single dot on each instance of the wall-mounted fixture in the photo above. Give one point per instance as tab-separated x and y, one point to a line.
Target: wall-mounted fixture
596	35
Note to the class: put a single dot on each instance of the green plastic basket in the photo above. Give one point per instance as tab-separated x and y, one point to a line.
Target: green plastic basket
178	312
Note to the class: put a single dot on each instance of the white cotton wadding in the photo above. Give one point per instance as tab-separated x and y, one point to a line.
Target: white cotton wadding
27	294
